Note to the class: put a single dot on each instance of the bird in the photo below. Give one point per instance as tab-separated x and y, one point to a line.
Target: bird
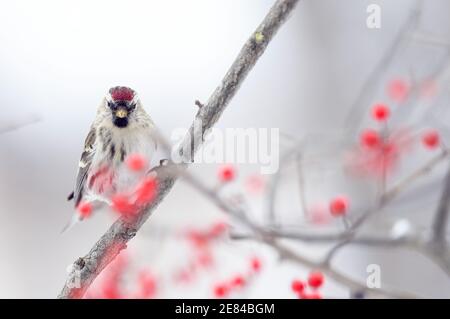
121	127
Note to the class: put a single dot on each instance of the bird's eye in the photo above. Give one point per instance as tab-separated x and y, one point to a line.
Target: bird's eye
111	105
132	106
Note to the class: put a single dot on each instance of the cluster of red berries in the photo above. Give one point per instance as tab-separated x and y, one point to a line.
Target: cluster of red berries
237	282
381	149
142	195
380	112
201	238
109	285
147	285
309	289
398	89
128	204
203	256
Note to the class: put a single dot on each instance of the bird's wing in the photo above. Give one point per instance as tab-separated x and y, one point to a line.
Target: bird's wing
83	169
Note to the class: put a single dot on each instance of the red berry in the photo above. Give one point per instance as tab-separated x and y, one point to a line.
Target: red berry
238	281
147	285
255	184
315	279
110	290
380	112
205	259
197	238
85	209
255	264
146	191
298	286
136	162
227	173
122	205
314	295
397	90
431	139
339	206
218	229
370	138
303	295
428	88
220	291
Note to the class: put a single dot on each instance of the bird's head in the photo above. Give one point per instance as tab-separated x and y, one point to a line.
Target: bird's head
121	102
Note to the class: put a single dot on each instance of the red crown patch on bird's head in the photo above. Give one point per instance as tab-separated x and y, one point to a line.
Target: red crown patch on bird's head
122	93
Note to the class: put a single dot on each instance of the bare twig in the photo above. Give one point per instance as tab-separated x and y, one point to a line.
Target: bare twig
441	218
86	269
198	103
440	222
268	237
355	112
19	124
385	198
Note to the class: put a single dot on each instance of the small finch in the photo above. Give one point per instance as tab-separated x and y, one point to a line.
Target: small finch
121	128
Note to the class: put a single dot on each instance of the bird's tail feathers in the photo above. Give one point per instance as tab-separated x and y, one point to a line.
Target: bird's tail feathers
76	218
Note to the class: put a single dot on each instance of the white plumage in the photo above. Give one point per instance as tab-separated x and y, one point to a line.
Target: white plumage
121	128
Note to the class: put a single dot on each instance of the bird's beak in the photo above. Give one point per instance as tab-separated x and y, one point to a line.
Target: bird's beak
121	113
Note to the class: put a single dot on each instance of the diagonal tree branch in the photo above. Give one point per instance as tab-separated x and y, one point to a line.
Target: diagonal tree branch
441	217
87	268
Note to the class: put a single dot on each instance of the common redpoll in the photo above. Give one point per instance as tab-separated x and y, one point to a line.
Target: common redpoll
122	128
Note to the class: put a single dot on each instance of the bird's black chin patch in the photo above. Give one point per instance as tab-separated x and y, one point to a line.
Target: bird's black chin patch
120	122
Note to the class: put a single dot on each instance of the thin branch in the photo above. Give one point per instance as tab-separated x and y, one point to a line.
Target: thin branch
349	236
442	215
267	237
19	124
86	269
385	198
355	112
